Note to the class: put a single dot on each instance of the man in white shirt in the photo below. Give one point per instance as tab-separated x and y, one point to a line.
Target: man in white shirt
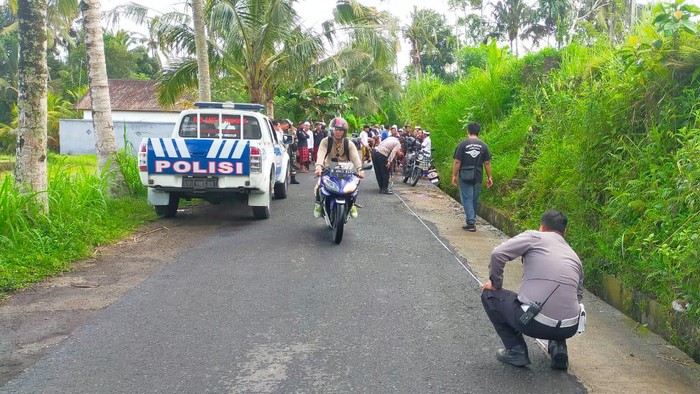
426	145
364	143
310	140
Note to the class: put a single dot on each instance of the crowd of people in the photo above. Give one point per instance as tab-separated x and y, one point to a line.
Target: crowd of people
303	149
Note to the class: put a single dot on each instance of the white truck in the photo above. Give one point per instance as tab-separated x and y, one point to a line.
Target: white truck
217	152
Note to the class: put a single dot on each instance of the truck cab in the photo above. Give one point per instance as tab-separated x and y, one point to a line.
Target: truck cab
217	152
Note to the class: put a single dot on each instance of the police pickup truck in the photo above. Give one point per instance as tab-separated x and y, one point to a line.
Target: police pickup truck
217	152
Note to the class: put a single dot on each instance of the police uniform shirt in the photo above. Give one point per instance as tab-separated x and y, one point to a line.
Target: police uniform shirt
548	261
389	147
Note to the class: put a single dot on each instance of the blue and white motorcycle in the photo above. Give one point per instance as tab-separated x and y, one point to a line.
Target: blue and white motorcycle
338	189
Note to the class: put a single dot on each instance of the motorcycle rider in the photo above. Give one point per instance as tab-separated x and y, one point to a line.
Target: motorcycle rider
339	129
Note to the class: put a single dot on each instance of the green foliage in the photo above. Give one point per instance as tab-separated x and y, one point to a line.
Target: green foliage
674	18
82	216
9	58
610	135
469	58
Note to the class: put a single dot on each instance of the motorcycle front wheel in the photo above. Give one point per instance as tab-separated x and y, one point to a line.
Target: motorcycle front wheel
338	223
415	176
406	171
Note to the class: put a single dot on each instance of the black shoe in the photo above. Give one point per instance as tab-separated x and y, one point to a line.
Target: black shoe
469	227
560	357
294	181
517	355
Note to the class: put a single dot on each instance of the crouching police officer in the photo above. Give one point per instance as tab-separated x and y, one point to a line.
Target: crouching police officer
548	304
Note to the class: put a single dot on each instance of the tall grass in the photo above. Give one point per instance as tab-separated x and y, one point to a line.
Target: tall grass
81	216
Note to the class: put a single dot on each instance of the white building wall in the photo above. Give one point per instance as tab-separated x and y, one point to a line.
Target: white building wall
139	116
77	136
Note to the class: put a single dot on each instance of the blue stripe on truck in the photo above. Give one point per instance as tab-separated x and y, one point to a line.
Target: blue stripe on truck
178	156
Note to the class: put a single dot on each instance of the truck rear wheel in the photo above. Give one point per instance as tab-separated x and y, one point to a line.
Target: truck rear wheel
170	210
261	212
282	187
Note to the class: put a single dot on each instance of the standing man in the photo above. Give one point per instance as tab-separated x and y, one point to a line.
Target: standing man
552	280
319	134
286	127
309	140
364	143
382	157
470	157
303	147
426	144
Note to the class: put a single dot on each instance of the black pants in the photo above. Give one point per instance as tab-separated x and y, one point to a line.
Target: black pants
504	311
379	161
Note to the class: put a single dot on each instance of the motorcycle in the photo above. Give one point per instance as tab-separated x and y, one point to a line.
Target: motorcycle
416	162
338	189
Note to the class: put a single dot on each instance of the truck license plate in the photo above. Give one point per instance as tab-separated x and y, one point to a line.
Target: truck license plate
200	182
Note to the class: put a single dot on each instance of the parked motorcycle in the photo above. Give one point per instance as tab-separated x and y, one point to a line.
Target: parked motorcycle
416	162
338	189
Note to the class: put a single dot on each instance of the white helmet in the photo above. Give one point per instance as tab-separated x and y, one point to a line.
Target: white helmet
339	123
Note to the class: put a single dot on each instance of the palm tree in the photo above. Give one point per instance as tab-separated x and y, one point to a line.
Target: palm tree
30	164
60	15
432	41
416	33
200	39
262	43
105	144
512	16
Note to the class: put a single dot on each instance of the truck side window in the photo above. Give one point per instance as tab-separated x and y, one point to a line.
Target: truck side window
188	127
251	128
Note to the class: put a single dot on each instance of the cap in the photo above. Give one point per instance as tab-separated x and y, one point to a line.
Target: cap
307	123
426	132
393	126
287	121
417	127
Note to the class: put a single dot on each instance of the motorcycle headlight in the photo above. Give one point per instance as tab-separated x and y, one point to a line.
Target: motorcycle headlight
351	186
330	185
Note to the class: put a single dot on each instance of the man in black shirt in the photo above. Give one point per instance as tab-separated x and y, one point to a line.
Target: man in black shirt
470	157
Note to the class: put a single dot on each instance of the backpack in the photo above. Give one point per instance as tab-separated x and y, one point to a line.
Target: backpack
346	145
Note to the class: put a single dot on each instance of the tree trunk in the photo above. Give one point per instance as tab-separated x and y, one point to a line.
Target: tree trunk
633	15
105	144
200	39
415	57
30	164
270	108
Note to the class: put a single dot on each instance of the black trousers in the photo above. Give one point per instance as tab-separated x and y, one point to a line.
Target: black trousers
379	161
503	309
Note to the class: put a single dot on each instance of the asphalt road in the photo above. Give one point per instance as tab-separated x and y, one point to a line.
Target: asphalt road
276	306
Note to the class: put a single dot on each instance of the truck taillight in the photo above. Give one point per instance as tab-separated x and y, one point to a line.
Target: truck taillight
255	159
143	153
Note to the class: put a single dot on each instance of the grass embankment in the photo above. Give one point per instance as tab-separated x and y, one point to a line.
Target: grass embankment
81	216
608	134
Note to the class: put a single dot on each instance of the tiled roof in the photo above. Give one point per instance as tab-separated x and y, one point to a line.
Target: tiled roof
128	95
